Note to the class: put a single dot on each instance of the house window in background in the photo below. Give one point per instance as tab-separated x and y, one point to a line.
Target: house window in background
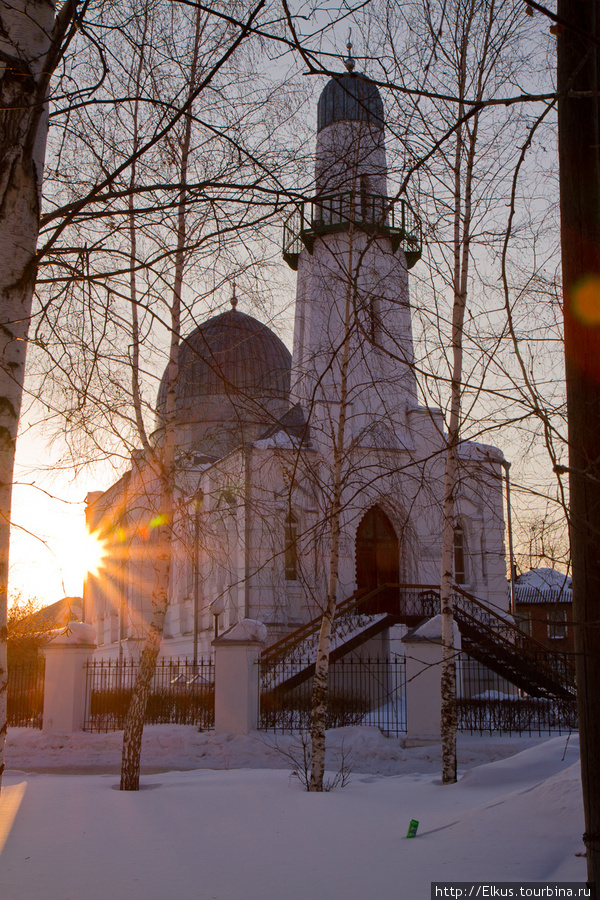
557	623
523	621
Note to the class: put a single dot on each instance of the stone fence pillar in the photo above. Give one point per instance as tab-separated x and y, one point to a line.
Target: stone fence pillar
236	677
423	648
64	685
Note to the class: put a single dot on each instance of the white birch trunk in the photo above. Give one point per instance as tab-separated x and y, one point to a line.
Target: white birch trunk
133	260
24	41
320	682
463	188
165	465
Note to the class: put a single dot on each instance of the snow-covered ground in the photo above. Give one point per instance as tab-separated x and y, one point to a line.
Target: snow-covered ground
223	818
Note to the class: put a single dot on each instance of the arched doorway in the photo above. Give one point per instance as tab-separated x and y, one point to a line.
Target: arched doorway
377	561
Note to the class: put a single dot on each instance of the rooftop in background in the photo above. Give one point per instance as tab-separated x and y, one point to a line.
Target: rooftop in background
57	615
543	585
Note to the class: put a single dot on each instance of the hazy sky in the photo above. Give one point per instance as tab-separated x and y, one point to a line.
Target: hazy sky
48	552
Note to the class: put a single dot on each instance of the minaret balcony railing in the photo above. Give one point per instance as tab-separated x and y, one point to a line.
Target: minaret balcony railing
371	213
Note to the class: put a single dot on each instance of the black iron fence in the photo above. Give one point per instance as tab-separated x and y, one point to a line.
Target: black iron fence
373	692
369	691
487	702
25	695
182	693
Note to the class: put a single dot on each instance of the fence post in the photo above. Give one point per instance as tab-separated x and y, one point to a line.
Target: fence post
236	677
64	684
423	681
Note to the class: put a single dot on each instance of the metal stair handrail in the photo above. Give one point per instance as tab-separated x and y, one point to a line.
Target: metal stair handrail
345	608
283	646
514	645
501	630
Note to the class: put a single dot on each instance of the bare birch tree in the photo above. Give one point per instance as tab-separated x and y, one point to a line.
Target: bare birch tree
463	67
469	53
339	448
32	43
164	460
183	183
464	157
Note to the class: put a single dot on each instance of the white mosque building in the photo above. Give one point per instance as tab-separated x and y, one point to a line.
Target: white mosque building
264	437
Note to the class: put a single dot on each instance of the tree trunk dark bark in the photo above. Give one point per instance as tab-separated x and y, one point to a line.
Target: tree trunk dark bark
579	156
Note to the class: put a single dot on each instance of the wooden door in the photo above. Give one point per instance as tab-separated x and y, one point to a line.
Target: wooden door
377	561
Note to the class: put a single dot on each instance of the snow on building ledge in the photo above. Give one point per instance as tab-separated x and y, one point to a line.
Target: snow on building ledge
75	634
243	632
431	630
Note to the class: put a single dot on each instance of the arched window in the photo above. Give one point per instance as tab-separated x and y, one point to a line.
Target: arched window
460	556
291	548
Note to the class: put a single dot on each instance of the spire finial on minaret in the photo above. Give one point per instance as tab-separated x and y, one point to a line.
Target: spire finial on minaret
234	300
350	62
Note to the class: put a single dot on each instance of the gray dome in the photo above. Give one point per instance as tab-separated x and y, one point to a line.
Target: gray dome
232	354
234	381
349	97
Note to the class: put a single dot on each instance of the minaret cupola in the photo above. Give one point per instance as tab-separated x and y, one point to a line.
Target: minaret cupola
350	97
351	173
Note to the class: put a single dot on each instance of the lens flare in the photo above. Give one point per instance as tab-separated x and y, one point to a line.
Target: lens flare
586	300
91	550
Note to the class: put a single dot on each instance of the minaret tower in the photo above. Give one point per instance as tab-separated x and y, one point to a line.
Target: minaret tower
352	246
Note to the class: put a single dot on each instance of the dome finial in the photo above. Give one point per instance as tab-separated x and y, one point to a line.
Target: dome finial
234	300
350	62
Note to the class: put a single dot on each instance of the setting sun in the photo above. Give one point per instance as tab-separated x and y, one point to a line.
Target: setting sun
79	553
91	550
51	548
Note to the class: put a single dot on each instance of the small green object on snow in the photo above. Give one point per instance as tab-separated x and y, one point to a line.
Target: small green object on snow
412	828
